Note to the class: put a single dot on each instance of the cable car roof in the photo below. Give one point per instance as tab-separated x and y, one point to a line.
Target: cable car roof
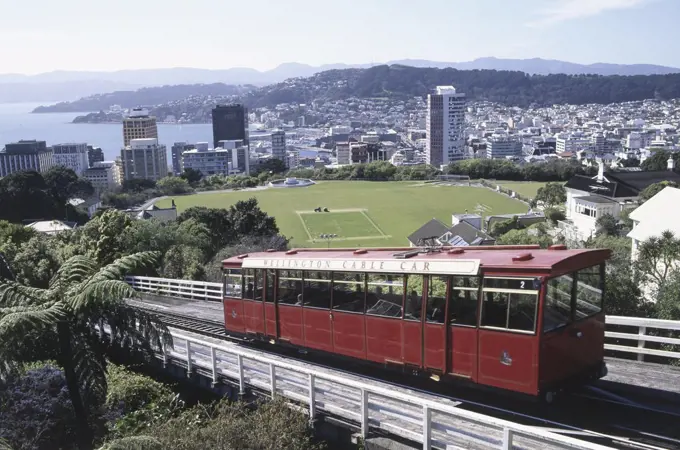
443	260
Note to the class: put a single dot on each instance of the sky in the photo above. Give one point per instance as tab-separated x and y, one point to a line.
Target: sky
103	35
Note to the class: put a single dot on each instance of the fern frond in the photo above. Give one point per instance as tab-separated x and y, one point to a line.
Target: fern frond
75	270
137	331
90	365
134	443
4	445
123	266
16	322
15	294
98	295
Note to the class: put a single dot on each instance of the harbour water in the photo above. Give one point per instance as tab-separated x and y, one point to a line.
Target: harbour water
17	122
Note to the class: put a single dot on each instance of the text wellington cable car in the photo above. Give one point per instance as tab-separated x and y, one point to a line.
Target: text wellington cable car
523	319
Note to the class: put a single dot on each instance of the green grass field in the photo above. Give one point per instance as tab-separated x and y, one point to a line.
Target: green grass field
525	188
362	214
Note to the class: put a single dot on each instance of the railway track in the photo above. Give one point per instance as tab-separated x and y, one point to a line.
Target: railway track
583	415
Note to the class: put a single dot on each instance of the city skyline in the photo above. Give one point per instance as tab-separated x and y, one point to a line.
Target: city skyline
153	34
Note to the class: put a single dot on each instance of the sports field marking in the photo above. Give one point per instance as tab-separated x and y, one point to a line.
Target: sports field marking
375	225
337	225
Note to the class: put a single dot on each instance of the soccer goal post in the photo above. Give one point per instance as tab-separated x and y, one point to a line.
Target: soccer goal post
458	179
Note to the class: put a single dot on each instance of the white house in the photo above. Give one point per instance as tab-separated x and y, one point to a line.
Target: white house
658	214
589	198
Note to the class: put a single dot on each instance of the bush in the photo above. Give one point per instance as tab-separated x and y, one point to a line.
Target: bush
270	426
36	411
132	391
554	215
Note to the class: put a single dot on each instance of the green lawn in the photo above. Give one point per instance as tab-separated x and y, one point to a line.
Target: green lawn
525	188
384	213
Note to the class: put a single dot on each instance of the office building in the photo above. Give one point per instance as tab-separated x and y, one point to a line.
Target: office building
177	149
103	176
73	156
238	153
229	123
144	158
445	123
94	154
293	159
342	153
501	147
208	161
26	155
139	125
279	145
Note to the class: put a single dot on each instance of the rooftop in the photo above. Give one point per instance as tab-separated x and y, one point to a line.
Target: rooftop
489	257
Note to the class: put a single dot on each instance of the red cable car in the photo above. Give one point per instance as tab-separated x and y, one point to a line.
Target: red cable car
519	318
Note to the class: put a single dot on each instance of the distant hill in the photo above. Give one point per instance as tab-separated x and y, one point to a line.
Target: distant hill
70	85
512	88
146	97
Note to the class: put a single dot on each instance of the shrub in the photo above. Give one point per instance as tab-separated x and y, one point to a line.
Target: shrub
270	426
554	215
36	411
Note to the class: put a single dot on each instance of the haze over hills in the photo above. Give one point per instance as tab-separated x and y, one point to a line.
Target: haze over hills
71	85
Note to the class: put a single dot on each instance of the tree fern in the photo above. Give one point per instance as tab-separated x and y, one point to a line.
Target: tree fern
81	302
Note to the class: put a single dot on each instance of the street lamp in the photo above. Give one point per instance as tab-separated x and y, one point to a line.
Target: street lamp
328	238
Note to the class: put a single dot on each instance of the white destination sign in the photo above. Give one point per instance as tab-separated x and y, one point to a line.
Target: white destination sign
419	266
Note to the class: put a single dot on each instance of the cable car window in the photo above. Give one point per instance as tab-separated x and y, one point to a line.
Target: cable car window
508	304
252	284
464	296
385	295
414	297
436	299
557	307
349	291
290	287
271	280
589	284
232	283
317	292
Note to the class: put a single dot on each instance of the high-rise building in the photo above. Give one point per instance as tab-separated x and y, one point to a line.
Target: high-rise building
144	158
279	145
94	154
238	153
139	125
293	159
26	155
445	126
501	147
177	149
230	122
73	156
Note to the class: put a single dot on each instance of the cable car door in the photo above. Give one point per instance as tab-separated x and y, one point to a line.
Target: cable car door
434	327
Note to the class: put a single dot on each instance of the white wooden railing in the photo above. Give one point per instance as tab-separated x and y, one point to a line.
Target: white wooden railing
201	290
372	405
639	336
194	290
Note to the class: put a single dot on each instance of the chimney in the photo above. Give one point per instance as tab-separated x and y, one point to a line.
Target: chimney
671	164
600	171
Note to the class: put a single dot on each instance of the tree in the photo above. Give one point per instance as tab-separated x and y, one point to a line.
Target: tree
657	260
192	176
173	185
552	194
658	161
651	191
630	162
110	228
63	184
62	318
500	228
217	220
535	234
136	185
607	225
248	219
273	165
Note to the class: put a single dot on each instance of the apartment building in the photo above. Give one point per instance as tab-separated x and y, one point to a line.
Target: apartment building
73	156
103	176
238	153
279	145
144	158
26	155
